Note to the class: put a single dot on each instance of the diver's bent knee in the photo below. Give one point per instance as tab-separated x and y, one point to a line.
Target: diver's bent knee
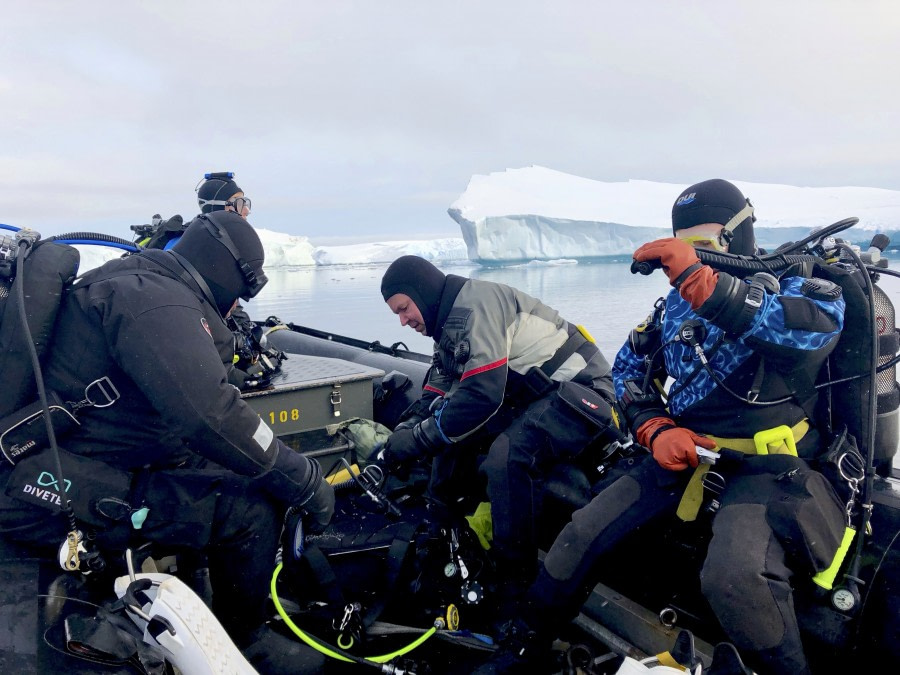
579	537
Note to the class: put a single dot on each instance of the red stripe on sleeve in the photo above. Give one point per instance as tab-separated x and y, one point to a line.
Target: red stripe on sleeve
428	387
490	366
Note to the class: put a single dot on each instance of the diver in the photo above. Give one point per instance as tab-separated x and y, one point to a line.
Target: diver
219	192
179	459
511	378
742	356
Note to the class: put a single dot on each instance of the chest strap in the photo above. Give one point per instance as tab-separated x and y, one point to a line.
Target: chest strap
569	347
781	440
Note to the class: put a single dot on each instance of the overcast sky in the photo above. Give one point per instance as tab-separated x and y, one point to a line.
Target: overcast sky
367	119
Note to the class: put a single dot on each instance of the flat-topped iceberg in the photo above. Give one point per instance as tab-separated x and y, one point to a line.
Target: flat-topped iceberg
536	213
288	250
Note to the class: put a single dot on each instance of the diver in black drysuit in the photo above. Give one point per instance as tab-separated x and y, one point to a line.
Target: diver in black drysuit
179	459
779	520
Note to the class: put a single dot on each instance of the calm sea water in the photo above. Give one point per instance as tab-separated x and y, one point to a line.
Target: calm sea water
604	297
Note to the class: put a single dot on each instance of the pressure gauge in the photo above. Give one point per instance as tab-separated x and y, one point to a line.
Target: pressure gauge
844	599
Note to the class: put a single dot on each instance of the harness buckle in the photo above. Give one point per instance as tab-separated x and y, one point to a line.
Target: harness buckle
105	388
776	437
101	393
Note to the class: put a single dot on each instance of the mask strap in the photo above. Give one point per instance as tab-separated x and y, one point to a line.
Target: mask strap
727	233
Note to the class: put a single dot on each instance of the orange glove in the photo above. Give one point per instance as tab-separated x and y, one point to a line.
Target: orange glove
673	447
677	257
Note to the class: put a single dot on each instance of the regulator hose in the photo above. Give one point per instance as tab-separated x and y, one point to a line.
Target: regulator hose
742	266
94	238
334	652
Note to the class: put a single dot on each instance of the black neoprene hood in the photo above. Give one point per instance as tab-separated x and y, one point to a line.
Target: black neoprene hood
216	189
421	281
214	262
715	201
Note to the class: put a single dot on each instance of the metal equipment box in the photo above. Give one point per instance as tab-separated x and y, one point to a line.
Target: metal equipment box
315	392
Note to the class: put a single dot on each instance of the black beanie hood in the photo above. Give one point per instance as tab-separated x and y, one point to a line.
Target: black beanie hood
715	201
216	189
421	281
204	250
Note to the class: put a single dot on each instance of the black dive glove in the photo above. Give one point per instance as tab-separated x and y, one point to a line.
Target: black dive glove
409	445
318	510
311	517
295	480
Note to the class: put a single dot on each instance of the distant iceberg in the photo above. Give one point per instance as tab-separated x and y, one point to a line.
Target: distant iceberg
536	213
287	250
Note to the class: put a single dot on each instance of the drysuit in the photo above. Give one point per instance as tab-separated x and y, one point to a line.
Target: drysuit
755	550
179	458
500	364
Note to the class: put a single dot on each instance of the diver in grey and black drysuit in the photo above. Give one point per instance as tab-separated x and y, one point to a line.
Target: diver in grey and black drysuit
779	520
179	459
509	376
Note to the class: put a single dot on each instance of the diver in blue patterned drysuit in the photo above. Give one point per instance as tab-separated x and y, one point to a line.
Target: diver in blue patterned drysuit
765	341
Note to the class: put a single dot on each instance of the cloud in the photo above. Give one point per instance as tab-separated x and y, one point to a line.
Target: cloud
362	117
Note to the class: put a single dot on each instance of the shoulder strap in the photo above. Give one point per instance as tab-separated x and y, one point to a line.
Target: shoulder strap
569	347
328	582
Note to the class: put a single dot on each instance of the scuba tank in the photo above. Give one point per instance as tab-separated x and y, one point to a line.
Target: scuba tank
47	270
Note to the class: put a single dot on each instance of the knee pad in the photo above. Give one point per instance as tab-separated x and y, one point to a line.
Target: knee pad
580	539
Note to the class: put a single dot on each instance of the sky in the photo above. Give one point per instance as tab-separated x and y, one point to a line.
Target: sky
363	121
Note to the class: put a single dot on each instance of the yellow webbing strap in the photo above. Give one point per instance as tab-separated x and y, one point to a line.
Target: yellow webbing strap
584	332
666	659
826	578
780	440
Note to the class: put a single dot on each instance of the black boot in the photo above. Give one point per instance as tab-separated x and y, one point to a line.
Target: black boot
521	650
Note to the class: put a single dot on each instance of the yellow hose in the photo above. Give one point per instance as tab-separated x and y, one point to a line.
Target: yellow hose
324	649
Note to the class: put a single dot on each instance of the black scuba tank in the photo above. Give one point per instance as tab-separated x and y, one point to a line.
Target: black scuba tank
887	416
47	269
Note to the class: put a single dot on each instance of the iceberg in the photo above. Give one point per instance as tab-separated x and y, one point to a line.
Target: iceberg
287	250
436	250
536	213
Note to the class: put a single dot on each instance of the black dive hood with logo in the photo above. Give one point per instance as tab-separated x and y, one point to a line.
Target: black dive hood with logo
226	251
717	201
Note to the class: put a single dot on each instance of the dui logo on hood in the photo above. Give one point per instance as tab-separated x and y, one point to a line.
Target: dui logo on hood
205	324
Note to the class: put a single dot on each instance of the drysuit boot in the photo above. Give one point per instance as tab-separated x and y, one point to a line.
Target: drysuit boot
273	653
522	650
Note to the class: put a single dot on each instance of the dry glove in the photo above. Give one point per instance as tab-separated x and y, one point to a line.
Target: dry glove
673	447
400	452
694	280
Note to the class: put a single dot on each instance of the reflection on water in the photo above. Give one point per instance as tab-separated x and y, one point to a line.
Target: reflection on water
604	297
